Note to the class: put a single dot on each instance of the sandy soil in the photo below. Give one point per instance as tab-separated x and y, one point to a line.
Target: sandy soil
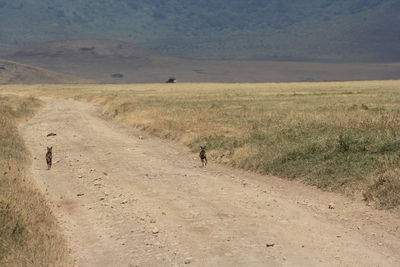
127	200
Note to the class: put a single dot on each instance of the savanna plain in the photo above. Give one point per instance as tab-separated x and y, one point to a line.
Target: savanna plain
338	136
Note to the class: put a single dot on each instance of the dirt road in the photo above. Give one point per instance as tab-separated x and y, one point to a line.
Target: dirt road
123	200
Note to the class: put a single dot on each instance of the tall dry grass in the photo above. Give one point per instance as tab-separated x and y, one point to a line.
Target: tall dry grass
29	235
339	136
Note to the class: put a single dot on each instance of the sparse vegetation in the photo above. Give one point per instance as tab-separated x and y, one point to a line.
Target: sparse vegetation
385	190
28	232
337	136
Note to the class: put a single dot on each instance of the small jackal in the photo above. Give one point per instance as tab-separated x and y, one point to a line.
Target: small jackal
49	157
203	156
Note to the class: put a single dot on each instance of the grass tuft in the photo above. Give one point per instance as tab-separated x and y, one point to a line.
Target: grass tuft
384	192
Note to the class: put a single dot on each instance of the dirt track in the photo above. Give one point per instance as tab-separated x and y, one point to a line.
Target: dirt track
147	202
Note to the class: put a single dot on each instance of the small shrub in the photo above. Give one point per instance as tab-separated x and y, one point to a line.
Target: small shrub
353	107
389	147
344	143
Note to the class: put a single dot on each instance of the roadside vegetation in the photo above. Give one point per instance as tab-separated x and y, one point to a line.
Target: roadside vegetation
29	234
338	136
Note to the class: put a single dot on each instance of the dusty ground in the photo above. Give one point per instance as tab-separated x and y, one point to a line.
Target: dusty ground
130	201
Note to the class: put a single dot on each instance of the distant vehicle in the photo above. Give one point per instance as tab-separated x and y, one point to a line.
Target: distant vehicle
171	80
118	75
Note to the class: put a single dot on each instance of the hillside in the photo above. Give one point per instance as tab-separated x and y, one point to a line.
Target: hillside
322	30
16	73
120	62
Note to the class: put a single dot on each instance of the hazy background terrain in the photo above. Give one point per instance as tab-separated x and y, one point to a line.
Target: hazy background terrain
104	61
295	30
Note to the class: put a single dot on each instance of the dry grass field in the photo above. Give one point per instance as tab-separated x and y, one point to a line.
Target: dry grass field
338	136
28	231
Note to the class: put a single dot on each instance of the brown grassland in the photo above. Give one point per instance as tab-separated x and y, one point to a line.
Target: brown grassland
338	136
29	235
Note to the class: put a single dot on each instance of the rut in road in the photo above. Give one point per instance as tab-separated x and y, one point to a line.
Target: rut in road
127	201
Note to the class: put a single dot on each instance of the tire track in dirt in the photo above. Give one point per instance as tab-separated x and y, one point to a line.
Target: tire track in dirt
127	201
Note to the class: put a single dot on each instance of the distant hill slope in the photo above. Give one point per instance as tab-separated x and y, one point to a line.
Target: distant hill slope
119	62
16	73
322	30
